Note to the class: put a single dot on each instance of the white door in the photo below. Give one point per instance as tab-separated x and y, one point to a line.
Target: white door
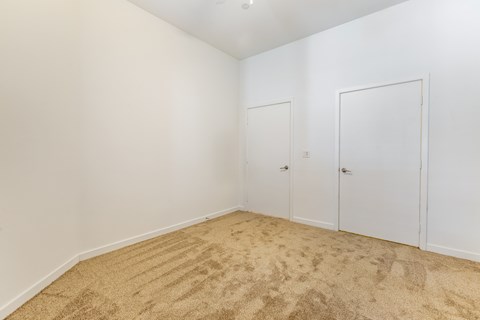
268	160
380	162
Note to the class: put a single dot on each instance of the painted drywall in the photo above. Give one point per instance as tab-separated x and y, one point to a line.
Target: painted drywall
161	124
419	36
113	124
39	141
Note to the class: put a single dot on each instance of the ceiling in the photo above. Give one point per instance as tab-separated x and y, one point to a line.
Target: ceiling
267	24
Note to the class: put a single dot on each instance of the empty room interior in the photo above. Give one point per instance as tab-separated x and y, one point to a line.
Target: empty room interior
240	159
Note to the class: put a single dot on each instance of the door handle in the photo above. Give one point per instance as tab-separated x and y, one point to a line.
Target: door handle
345	170
284	168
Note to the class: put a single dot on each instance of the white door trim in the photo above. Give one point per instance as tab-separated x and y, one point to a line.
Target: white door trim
292	158
425	80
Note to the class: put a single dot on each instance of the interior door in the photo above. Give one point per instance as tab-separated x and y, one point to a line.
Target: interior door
380	162
268	160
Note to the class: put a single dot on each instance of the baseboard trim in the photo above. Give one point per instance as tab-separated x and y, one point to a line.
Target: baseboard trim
462	254
31	292
150	235
314	223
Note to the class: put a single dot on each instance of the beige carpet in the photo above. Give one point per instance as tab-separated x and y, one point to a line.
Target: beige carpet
247	266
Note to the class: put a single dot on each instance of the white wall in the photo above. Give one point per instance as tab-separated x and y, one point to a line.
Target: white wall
161	126
39	141
418	36
112	124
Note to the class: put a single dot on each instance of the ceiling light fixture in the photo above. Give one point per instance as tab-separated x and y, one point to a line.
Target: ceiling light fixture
247	5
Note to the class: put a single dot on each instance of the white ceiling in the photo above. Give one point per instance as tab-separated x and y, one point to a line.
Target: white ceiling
266	25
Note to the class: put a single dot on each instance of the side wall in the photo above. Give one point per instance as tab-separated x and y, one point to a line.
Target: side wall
39	141
161	124
415	37
113	124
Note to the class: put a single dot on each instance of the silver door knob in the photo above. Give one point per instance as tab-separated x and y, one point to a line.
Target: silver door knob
284	168
345	170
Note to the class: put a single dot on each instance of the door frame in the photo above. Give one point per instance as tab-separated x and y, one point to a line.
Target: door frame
423	205
292	144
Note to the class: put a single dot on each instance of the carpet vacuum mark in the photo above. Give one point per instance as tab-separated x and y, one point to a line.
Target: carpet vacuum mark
247	266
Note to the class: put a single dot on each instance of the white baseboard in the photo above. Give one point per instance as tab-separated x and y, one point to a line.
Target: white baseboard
31	292
462	254
150	235
314	223
28	294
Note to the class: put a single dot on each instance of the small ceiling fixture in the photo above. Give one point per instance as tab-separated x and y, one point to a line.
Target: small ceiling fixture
247	5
